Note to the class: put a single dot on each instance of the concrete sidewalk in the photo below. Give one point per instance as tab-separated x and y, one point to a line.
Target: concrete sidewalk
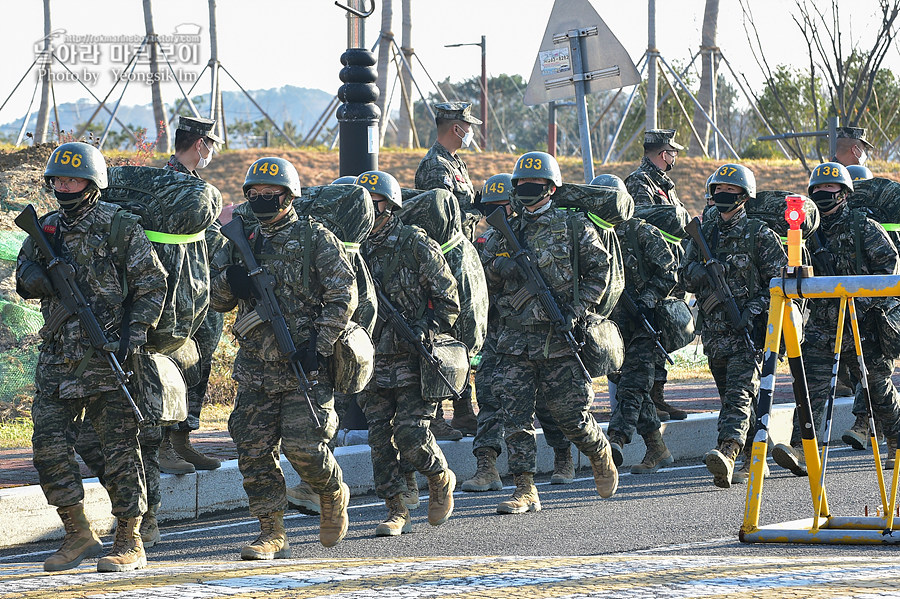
26	517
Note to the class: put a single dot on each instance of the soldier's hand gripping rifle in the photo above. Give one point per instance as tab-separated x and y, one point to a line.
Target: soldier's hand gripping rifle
635	312
716	271
62	277
267	307
392	317
534	282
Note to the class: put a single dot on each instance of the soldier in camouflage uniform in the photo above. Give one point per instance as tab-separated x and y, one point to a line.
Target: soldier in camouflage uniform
650	276
316	291
442	168
834	250
488	438
415	277
73	376
532	356
751	254
650	184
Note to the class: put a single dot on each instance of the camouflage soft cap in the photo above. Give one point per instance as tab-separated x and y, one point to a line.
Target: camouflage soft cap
854	133
661	136
455	111
199	126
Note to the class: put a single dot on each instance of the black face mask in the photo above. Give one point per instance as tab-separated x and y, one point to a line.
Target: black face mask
266	209
726	202
826	200
532	193
69	200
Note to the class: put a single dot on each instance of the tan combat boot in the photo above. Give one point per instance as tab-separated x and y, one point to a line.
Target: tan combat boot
720	462
563	467
334	522
397	521
127	551
606	477
441	430
304	499
464	419
440	496
857	436
182	446
150	527
525	497
169	461
657	456
617	445
890	453
486	476
80	541
411	495
790	458
657	394
272	541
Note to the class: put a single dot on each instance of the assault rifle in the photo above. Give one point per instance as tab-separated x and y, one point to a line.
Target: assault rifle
534	282
718	281
632	308
391	316
62	277
267	306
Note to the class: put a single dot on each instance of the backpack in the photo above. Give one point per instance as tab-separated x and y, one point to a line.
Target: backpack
604	205
879	198
770	206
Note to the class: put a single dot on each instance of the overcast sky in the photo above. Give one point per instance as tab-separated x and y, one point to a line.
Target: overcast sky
270	43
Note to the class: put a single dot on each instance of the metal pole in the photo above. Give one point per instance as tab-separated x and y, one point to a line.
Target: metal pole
584	128
551	128
832	135
652	54
621	124
213	63
712	99
484	93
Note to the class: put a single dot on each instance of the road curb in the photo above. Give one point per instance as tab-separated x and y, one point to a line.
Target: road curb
25	516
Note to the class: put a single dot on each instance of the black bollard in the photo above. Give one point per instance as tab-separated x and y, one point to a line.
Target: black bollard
358	114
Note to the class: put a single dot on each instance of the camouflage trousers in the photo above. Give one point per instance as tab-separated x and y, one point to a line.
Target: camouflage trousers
398	421
518	381
634	409
207	339
56	423
819	362
737	380
263	423
490	430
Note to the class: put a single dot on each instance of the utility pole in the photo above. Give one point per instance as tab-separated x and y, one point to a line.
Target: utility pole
40	131
652	55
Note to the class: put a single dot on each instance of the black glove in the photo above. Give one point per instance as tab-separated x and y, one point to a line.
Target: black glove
238	278
311	360
507	268
746	320
569	322
34	283
137	337
425	331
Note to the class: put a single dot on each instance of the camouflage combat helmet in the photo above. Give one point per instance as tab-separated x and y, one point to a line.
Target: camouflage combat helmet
830	172
859	173
609	180
77	159
537	165
273	171
497	189
383	184
733	174
345	180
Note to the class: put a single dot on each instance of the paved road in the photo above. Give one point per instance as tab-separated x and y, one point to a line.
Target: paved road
669	535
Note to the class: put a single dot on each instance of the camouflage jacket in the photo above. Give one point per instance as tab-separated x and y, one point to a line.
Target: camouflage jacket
100	271
748	271
650	268
525	328
214	239
176	165
650	185
837	236
440	169
315	289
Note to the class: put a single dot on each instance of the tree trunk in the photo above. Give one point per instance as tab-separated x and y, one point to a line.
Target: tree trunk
159	115
40	130
404	132
708	77
384	57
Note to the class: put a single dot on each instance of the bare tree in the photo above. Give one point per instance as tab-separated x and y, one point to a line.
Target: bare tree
708	75
40	130
384	61
404	129
159	115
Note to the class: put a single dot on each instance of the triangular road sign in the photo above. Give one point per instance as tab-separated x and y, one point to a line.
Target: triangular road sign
606	64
